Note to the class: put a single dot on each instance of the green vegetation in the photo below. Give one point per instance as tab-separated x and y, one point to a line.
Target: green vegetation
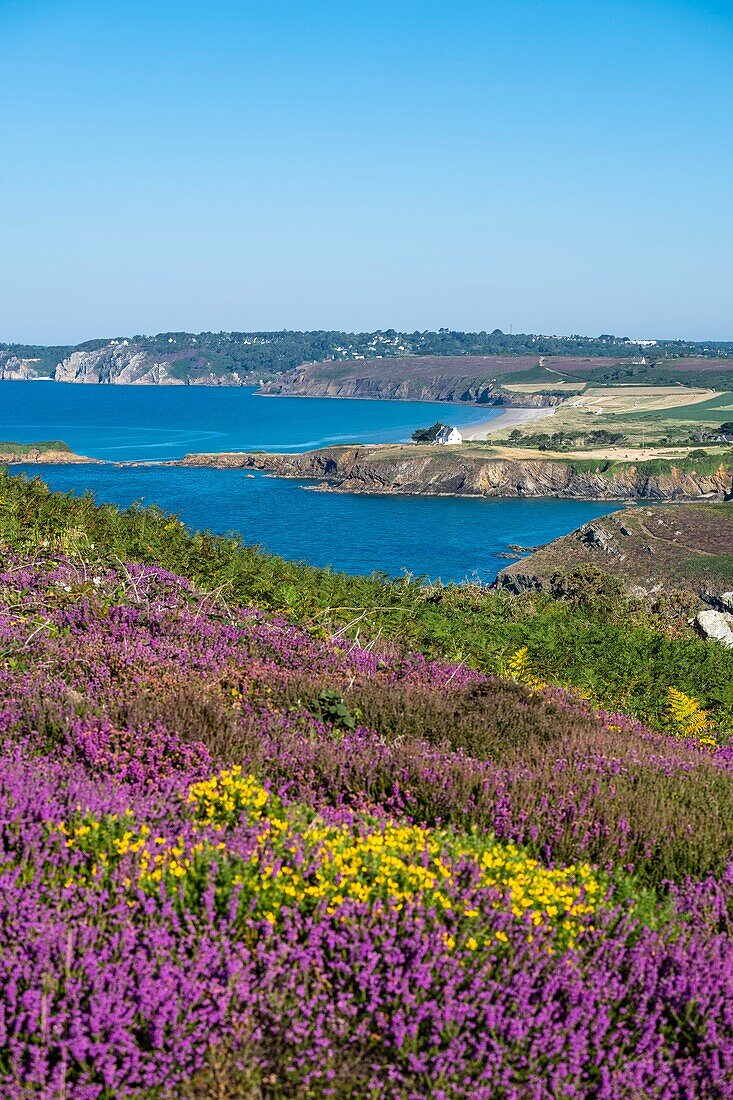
614	649
711	566
705	412
273	350
697	462
427	435
28	448
603	360
564	440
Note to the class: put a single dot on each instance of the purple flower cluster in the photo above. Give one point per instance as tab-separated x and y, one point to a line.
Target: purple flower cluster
120	690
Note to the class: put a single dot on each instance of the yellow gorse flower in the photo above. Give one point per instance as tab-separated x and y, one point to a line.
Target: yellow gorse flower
223	799
301	864
385	863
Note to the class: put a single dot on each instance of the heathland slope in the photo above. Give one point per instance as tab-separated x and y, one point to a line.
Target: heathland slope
415	378
687	546
493	379
460	471
243	856
578	641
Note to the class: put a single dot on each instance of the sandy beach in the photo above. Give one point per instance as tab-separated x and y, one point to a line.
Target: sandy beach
509	418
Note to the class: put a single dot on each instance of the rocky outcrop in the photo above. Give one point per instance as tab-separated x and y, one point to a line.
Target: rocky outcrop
14	369
114	363
357	469
48	456
434	471
121	362
715	626
469	378
653	551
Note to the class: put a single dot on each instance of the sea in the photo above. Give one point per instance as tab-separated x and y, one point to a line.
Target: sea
447	539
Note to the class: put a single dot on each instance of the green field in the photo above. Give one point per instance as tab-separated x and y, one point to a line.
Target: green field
714	411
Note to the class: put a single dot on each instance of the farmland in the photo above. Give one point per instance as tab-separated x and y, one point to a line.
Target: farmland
709	410
649	421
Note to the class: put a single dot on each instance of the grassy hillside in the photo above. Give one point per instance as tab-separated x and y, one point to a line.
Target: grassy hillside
540	370
686	547
697	462
714	411
666	369
622	654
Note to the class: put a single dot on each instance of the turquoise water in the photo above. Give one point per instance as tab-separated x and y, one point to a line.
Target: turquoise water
449	538
445	538
124	423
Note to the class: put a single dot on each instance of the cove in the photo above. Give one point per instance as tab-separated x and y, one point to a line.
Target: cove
451	539
445	538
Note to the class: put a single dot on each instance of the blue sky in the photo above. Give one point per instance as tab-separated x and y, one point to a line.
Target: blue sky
554	166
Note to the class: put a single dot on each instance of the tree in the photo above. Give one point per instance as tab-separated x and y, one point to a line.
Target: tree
427	435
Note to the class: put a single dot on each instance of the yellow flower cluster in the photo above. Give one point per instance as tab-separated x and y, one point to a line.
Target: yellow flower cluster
547	896
106	840
297	863
393	864
226	797
173	859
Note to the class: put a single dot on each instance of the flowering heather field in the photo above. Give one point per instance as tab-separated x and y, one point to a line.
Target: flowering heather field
238	860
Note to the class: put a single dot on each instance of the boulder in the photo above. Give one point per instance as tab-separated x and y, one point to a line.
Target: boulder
727	601
598	538
715	625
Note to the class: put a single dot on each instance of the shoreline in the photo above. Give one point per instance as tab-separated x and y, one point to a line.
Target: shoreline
508	418
508	415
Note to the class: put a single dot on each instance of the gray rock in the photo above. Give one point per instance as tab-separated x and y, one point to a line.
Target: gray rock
598	538
727	601
715	625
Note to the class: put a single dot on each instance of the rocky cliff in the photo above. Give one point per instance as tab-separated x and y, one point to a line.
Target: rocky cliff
408	378
114	364
435	471
124	363
15	369
440	389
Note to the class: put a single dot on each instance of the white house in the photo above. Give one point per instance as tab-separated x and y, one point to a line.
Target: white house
448	435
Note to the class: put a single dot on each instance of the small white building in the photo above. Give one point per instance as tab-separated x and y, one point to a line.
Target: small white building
448	435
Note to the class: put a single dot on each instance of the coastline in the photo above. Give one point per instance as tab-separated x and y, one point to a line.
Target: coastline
508	418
